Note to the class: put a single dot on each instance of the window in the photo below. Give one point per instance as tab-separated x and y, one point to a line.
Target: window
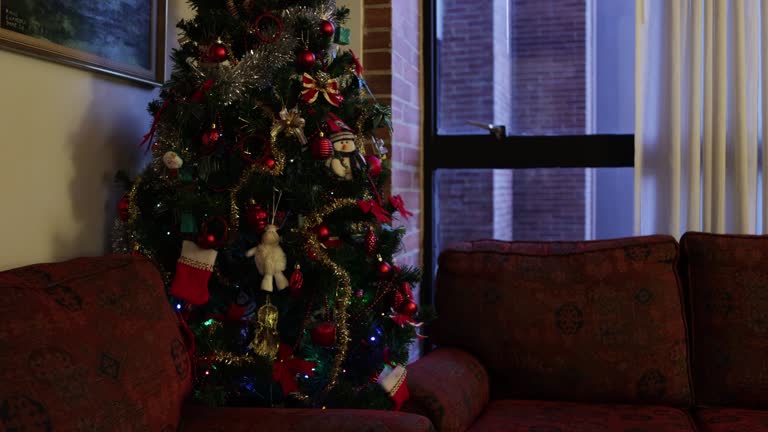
558	75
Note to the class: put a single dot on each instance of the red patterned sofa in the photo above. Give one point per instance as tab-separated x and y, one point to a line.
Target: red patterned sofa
630	335
92	345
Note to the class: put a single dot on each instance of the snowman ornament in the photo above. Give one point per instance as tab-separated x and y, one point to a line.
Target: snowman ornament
343	154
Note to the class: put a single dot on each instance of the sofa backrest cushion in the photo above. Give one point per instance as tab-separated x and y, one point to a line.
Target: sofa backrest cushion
727	277
90	344
598	321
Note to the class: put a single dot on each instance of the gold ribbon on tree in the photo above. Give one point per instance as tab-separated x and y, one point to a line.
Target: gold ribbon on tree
324	84
291	123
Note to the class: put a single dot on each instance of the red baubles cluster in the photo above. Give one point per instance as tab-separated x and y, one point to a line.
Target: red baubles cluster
327	29
324	334
321	147
217	52
210	139
306	59
256	217
323	233
123	207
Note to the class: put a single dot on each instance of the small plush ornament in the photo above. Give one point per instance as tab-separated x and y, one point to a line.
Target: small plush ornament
321	147
270	259
324	334
306	58
393	382
217	52
172	160
327	29
193	270
374	165
266	339
343	153
123	207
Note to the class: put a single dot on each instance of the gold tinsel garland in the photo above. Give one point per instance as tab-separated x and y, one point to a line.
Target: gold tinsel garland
344	289
276	170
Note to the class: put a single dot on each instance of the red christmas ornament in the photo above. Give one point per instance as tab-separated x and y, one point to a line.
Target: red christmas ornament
206	241
323	233
270	163
384	269
312	255
324	335
123	207
374	165
371	241
321	147
256	217
296	282
359	294
217	52
406	289
409	309
327	29
306	59
211	138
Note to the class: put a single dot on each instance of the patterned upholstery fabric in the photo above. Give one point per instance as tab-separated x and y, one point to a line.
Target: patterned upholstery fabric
450	387
201	419
537	416
587	321
731	420
89	345
728	283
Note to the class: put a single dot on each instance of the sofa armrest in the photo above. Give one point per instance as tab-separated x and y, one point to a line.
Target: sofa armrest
450	387
204	419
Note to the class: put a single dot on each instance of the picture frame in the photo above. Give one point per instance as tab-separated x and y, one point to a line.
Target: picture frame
123	38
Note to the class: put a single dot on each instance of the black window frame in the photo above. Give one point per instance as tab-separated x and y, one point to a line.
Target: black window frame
485	151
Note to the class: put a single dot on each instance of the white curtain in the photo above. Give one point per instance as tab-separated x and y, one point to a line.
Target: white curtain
699	110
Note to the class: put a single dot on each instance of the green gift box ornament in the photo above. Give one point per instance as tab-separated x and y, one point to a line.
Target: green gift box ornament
341	37
188	224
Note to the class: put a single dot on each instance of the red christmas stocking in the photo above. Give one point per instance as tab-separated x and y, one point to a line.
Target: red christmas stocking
193	270
393	382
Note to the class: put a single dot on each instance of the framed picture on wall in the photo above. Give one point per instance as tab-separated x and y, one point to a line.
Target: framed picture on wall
125	38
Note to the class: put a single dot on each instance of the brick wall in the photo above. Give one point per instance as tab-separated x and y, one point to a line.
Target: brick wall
392	58
534	82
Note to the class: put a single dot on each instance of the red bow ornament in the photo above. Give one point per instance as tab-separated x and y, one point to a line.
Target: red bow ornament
402	319
399	205
285	369
323	84
373	207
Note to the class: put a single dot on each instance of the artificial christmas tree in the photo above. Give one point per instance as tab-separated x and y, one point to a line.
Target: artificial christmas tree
258	183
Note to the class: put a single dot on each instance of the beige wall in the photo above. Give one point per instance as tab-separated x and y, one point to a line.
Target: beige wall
63	134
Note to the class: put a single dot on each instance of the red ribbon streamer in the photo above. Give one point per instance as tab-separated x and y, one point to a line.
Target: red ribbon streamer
373	207
151	133
399	205
286	367
200	94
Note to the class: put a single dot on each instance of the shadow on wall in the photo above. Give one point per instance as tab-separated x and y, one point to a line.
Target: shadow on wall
106	141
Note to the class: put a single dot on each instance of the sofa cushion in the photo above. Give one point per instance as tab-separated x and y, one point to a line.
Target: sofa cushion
203	419
731	420
448	386
597	321
89	344
728	282
537	416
